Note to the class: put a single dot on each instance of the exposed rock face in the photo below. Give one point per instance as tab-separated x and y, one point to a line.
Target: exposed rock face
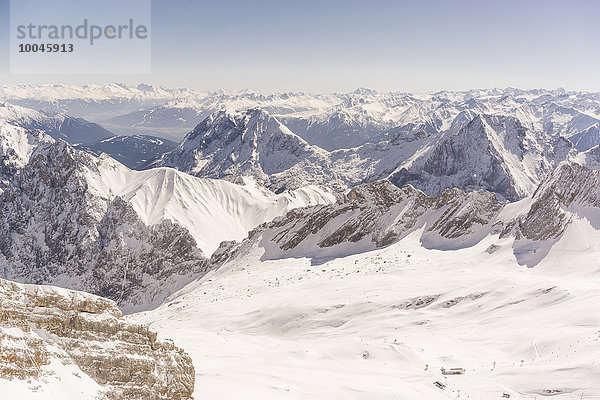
569	190
229	145
589	158
493	153
55	229
42	327
378	214
479	152
587	138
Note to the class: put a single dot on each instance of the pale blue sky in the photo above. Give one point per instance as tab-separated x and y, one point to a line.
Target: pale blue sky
339	45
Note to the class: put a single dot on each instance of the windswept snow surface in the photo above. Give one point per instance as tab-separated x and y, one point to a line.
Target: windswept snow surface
212	210
382	324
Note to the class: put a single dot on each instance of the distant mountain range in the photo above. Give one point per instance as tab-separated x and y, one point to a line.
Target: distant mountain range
58	126
359	230
330	121
454	159
490	152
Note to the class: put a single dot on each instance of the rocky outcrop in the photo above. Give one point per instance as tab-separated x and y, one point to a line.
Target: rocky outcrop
378	214
51	336
55	228
493	153
571	189
230	145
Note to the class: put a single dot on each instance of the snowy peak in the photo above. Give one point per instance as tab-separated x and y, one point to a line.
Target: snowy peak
492	152
330	121
589	158
587	138
251	128
211	210
60	224
59	126
90	223
231	144
17	144
571	184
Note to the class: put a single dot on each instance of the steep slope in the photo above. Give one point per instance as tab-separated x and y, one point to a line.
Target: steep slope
58	126
377	160
211	210
229	145
589	158
564	118
493	153
16	147
378	214
55	229
587	138
74	220
56	343
566	200
374	215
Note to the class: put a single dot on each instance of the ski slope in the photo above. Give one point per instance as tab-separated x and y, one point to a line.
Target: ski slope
382	324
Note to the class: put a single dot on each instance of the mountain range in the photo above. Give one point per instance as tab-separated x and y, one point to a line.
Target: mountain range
350	225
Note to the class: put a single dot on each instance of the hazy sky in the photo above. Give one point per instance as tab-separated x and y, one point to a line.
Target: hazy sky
339	45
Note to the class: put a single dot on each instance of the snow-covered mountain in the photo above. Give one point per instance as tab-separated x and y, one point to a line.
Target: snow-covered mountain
171	120
229	145
589	158
332	301
58	126
491	152
94	102
567	201
212	210
461	231
56	228
71	219
16	146
330	121
587	138
375	215
378	214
